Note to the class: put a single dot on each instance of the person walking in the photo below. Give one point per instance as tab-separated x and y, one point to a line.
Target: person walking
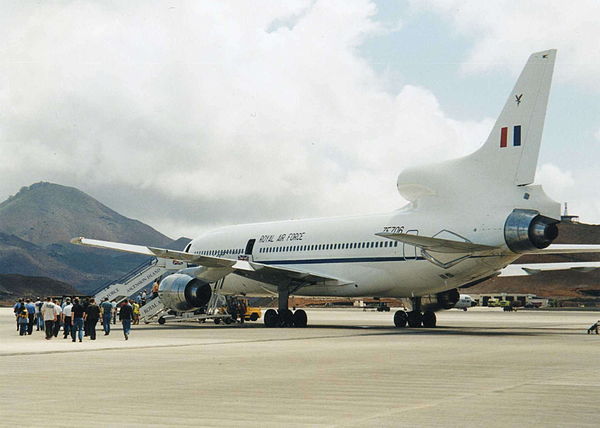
39	319
17	309
30	315
58	312
23	321
114	311
155	287
144	297
91	316
86	329
66	318
106	309
49	315
126	315
77	313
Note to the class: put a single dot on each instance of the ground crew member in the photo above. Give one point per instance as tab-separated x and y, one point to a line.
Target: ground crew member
136	313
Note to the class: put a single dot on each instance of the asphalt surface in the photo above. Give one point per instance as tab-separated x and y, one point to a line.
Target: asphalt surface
348	368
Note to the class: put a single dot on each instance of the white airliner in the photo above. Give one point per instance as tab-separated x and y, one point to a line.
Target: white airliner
466	220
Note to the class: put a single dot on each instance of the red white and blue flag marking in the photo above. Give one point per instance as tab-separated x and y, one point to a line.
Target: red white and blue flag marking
516	136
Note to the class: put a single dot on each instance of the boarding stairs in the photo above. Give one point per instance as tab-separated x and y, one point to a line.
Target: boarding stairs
138	278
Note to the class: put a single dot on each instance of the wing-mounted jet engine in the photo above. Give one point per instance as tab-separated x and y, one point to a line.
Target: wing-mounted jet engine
182	292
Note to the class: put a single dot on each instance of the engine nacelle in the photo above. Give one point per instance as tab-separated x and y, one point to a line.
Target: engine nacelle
443	300
182	292
526	230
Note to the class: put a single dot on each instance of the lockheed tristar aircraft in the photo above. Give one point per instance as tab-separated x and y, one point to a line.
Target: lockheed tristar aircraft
467	219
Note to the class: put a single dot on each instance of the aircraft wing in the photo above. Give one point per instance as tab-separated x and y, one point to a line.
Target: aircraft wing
533	268
437	245
253	270
567	249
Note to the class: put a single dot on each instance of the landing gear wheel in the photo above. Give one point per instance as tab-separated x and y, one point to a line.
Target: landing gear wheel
286	318
161	320
400	319
300	318
271	318
429	319
415	319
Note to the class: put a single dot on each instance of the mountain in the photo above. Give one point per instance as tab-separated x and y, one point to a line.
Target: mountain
38	222
47	213
13	287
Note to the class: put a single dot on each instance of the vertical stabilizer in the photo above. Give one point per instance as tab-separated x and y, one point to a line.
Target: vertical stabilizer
511	150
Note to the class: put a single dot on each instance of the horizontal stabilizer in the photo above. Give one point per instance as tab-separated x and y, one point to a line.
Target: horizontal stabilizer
535	268
437	245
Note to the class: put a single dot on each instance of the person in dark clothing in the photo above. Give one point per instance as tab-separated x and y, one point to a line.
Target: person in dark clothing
91	316
594	328
86	330
77	313
126	315
30	315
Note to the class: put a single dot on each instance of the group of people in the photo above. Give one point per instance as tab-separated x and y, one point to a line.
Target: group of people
78	318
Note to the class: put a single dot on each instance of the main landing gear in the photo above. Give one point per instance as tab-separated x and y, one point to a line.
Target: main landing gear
415	318
283	316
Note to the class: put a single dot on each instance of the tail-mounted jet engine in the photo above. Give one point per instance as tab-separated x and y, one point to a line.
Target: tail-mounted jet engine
182	292
526	230
439	301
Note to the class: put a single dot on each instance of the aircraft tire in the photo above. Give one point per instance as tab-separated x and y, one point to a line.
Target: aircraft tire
400	319
300	318
415	319
271	318
429	319
286	318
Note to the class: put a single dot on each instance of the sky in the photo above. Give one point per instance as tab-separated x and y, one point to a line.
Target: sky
191	115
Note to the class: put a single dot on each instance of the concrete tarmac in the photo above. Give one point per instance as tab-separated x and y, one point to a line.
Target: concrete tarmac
483	367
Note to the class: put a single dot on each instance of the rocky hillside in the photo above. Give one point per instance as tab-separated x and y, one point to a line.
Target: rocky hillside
13	287
38	222
47	213
565	284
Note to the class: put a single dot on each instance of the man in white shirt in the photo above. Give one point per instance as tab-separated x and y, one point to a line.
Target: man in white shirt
49	316
66	319
57	312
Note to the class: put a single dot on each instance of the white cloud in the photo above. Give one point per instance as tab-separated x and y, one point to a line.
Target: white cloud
199	114
505	32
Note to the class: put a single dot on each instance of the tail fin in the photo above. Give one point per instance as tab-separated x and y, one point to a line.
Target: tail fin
511	150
